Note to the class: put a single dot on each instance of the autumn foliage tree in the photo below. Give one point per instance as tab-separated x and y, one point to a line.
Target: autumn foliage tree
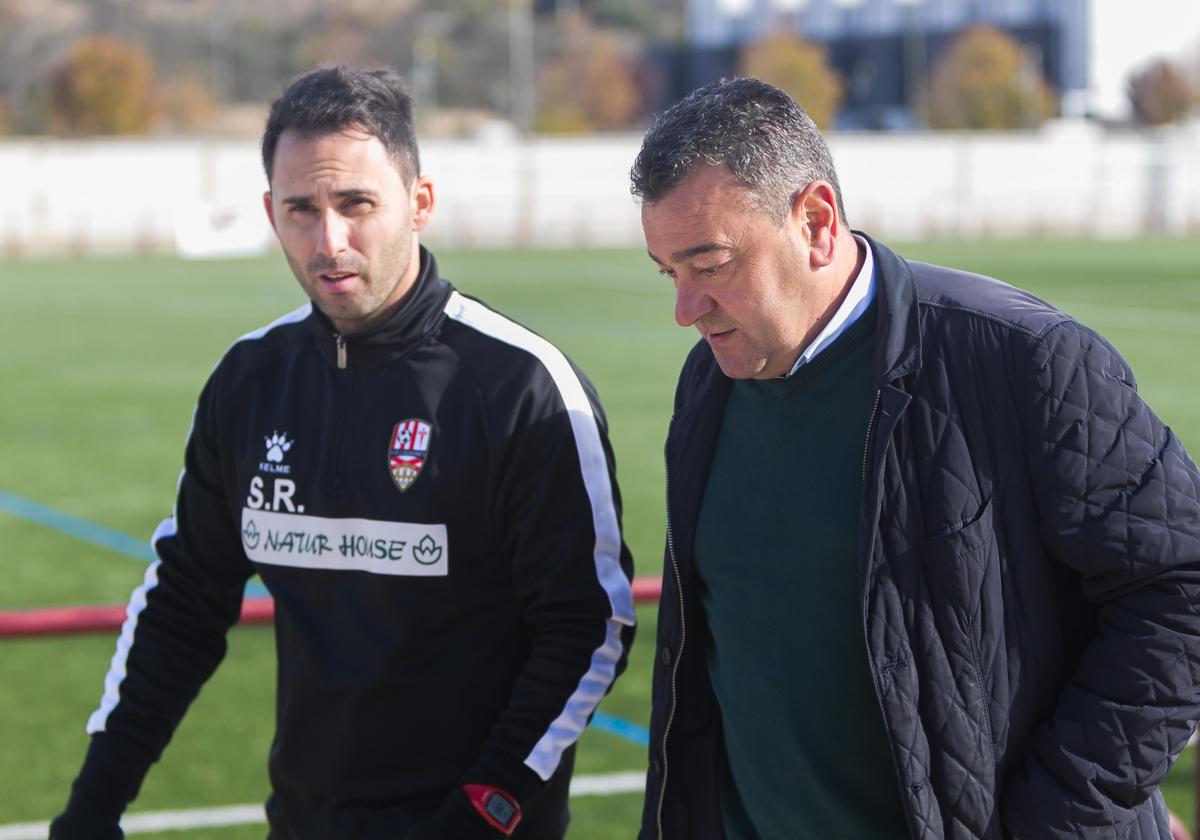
105	86
590	84
186	106
985	82
799	69
1160	93
338	33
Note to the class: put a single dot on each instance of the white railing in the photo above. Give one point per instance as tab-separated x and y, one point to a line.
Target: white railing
200	195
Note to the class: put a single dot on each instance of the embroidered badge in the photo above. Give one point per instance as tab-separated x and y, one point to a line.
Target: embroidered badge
408	451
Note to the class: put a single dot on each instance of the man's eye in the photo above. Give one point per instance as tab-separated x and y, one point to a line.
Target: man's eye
666	273
710	271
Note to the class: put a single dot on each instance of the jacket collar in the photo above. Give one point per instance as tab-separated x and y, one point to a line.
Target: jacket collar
898	336
417	316
704	389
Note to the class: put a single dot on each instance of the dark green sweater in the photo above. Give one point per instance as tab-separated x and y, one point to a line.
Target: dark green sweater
777	556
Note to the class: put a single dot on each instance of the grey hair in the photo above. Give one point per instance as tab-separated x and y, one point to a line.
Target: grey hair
767	142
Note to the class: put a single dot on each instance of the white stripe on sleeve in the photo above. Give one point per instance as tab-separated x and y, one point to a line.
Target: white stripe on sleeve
167	528
116	668
566	728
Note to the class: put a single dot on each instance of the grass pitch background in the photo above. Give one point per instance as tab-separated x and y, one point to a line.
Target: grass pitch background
100	364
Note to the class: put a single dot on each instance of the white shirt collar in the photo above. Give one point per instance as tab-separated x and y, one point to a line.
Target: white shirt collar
861	293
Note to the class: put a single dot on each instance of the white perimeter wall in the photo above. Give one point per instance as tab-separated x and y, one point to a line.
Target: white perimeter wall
203	196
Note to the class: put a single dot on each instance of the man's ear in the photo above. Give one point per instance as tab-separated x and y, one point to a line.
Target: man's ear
421	199
814	215
270	208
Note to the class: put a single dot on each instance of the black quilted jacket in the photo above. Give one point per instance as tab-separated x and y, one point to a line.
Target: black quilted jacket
1030	557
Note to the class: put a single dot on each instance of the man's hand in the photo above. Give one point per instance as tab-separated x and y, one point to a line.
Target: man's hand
1178	829
75	826
460	818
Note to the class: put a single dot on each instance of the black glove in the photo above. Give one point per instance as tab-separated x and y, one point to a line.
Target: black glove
74	825
456	819
109	780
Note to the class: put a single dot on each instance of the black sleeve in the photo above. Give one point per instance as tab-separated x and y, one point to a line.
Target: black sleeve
1117	499
173	636
571	571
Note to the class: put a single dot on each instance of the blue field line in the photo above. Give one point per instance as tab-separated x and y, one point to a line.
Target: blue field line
73	526
622	728
81	529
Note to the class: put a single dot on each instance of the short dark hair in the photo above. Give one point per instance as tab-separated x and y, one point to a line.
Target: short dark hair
331	99
767	142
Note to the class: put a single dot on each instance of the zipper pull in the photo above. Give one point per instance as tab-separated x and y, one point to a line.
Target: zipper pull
341	350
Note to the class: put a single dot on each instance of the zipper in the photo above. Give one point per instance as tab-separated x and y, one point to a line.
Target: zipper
984	694
870	428
342	432
662	791
875	680
341	350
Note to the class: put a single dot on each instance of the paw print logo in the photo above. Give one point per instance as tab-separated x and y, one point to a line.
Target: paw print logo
277	444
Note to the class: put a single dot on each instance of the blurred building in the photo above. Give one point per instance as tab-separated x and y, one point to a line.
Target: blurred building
885	49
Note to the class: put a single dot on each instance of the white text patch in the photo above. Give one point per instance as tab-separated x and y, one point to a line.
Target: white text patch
367	545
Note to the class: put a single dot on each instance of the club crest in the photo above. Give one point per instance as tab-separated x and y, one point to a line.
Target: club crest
408	450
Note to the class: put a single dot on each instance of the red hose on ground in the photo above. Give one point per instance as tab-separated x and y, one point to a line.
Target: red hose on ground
58	621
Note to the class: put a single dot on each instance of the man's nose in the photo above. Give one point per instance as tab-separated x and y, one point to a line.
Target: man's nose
333	235
690	305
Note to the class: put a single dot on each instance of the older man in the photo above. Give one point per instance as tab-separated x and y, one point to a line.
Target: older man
933	567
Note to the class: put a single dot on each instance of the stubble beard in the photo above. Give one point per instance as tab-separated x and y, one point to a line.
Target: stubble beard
354	312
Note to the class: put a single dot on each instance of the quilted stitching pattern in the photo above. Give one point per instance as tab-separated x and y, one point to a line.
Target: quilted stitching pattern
1068	691
1032	584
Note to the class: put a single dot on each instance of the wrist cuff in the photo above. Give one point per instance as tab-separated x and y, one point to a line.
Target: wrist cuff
497	807
111	776
509	774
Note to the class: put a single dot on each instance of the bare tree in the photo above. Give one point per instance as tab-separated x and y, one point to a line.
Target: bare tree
1160	93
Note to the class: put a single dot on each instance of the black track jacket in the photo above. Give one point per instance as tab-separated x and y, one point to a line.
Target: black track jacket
433	506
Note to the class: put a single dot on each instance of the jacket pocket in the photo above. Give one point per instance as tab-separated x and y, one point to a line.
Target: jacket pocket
956	560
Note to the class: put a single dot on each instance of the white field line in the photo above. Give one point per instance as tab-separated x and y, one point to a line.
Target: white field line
603	785
632	781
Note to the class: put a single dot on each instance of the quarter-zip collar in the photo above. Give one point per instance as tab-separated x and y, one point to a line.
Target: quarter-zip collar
418	315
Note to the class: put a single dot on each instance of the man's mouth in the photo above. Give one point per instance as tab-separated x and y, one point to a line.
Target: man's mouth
336	280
